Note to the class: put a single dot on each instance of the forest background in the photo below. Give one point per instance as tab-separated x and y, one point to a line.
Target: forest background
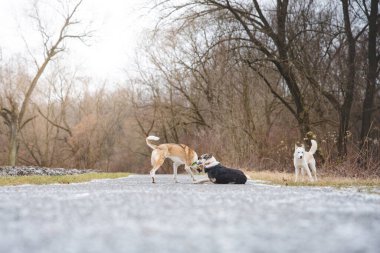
243	80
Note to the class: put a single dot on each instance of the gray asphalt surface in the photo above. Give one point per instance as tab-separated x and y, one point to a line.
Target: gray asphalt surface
134	215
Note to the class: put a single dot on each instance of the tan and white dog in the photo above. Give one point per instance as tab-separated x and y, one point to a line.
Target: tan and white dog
178	153
303	160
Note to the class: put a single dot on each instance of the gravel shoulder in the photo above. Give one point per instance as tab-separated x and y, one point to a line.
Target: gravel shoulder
133	215
39	171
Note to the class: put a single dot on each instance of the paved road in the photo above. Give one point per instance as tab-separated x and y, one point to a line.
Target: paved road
133	215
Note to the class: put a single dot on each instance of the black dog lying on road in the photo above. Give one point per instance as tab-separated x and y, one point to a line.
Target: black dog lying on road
219	174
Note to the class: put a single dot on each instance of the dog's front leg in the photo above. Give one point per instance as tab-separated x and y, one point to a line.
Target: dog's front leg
314	169
187	168
201	181
302	174
296	171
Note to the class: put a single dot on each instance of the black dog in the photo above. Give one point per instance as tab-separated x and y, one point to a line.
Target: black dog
219	174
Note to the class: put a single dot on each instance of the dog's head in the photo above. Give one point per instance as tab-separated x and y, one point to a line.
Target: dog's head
205	160
299	152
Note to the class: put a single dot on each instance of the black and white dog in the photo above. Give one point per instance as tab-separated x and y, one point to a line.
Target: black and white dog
217	173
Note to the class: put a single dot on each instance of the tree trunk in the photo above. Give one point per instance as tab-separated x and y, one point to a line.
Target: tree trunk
349	83
342	140
13	144
301	114
368	103
304	123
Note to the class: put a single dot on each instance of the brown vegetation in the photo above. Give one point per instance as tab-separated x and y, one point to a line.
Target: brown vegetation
287	179
65	179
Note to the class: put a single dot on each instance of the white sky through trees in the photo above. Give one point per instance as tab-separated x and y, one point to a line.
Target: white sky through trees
118	28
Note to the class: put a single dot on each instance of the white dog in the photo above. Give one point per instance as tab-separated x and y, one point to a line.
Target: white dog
178	153
303	160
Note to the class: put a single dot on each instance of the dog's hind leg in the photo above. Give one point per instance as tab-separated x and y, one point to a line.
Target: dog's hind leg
306	167
314	169
157	160
175	168
153	172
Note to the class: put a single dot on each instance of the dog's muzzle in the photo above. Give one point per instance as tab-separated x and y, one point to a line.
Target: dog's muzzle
197	166
200	166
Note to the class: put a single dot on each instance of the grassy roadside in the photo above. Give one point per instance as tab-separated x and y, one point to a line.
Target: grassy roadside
66	179
287	179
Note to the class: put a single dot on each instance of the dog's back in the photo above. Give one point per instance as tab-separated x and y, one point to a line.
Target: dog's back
221	175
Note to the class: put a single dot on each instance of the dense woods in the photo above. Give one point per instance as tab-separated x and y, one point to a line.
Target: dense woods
243	80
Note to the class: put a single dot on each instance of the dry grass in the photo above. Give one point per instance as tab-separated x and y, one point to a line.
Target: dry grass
287	179
66	179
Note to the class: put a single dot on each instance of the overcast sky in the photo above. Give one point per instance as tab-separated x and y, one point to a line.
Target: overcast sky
118	24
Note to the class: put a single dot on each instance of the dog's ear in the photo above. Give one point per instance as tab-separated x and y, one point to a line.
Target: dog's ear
303	146
295	146
204	156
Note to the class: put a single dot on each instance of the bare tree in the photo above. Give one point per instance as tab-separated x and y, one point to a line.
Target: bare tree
45	140
264	30
15	116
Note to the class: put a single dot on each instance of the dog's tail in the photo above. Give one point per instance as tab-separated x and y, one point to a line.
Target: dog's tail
313	147
152	138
